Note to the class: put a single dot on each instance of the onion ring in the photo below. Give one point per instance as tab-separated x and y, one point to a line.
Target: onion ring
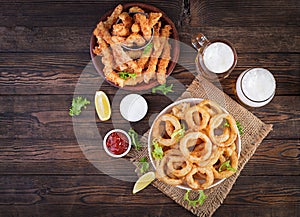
164	176
156	132
194	155
199	172
213	125
189	117
184	166
211	107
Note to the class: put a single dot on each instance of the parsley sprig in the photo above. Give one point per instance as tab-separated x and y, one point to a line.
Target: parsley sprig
163	88
226	165
198	201
178	134
144	165
238	124
157	152
77	105
124	75
134	139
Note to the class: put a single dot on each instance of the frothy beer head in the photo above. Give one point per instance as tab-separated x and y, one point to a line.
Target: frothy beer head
218	57
256	87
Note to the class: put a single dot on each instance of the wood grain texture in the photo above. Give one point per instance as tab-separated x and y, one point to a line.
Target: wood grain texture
65	157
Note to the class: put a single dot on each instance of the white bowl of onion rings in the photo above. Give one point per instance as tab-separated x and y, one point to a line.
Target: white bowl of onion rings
194	144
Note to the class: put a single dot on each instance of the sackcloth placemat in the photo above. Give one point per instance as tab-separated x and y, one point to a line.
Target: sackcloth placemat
254	132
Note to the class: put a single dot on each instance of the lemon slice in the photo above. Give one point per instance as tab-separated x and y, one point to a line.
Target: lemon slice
102	106
143	182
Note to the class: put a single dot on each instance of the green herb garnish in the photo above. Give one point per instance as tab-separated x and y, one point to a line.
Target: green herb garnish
125	75
227	166
238	125
178	133
157	152
77	104
163	88
226	124
147	49
144	165
134	139
240	128
200	199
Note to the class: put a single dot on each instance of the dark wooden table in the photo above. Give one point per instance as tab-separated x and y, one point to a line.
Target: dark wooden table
44	47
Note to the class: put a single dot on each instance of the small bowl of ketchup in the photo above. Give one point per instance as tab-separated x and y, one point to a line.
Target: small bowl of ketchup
117	143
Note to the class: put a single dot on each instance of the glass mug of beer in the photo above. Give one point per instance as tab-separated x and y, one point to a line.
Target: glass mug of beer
215	59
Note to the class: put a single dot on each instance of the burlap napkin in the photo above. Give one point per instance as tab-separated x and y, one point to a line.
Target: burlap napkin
254	132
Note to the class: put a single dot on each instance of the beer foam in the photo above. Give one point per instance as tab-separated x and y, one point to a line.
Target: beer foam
258	84
218	57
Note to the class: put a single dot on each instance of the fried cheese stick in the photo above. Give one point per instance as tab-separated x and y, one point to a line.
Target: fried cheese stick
112	19
150	72
126	19
155	45
163	64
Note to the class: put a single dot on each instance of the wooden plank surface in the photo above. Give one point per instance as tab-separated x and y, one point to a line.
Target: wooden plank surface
44	50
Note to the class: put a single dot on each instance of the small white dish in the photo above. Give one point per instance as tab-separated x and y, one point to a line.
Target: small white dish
133	107
106	148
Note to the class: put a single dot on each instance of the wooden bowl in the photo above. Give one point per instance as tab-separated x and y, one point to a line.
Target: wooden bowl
174	50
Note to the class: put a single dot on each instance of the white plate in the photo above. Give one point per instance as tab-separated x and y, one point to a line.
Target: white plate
168	110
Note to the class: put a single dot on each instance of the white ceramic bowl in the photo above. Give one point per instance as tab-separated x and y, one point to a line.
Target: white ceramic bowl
168	110
106	149
133	107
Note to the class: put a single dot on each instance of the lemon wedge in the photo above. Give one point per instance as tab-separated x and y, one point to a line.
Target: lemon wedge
102	106
143	182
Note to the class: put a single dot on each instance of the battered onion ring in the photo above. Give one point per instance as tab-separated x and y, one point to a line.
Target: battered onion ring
194	156
184	166
161	173
156	130
216	153
190	118
213	125
196	184
169	128
226	173
211	107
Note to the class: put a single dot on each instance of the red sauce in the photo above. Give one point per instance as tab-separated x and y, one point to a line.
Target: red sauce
117	143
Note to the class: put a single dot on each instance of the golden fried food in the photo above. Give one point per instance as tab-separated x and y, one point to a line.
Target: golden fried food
134	30
126	19
214	124
198	143
201	114
136	9
135	39
120	30
151	70
113	17
198	183
190	140
163	64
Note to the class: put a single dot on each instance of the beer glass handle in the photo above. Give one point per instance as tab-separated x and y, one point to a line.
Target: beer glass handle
198	41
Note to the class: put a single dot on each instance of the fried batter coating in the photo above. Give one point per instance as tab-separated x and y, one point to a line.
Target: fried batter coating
136	9
112	19
150	72
115	78
153	18
163	64
101	31
126	19
120	30
135	28
134	39
144	24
